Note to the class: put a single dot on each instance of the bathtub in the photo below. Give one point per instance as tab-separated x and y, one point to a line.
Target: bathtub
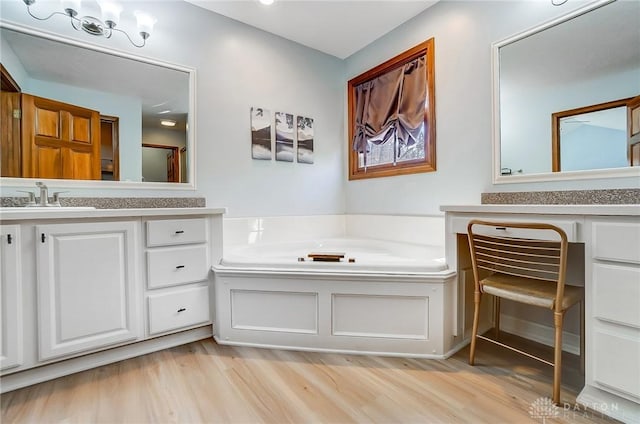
393	299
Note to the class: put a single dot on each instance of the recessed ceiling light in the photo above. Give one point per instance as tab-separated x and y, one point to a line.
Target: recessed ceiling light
168	123
267	2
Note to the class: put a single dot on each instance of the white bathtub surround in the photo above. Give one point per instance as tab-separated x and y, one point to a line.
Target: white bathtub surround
395	299
401	228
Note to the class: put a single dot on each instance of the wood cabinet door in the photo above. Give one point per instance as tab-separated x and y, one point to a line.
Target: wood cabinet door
59	140
10	297
86	283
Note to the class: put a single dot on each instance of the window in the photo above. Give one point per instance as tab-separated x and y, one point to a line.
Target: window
392	116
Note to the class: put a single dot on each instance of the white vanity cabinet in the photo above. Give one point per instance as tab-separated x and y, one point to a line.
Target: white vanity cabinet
613	306
86	286
10	297
177	273
610	260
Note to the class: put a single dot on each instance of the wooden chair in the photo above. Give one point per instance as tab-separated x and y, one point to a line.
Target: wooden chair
523	262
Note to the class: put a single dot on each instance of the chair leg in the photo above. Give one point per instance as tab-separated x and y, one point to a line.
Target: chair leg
582	340
496	316
474	331
558	319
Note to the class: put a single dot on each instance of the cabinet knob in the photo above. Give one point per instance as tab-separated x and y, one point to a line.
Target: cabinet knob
182	309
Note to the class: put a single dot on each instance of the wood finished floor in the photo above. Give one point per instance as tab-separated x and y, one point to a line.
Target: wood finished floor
206	382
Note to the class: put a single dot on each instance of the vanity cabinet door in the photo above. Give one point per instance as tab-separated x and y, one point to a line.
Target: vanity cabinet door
10	297
86	282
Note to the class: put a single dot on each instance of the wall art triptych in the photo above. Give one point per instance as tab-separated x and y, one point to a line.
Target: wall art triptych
291	133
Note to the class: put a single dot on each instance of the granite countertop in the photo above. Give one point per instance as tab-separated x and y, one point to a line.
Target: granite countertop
620	210
19	214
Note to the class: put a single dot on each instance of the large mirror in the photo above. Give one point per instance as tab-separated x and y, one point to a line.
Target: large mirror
587	58
90	114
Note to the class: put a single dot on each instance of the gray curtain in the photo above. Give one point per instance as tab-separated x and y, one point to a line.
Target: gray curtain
391	107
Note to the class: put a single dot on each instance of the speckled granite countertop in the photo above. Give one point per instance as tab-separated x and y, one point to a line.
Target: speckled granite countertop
629	196
117	202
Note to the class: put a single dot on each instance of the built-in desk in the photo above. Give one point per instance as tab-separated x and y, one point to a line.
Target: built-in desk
609	236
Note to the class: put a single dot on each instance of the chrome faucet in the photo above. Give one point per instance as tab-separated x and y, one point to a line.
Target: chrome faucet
44	194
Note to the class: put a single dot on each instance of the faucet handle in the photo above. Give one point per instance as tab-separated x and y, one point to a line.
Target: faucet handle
31	199
56	197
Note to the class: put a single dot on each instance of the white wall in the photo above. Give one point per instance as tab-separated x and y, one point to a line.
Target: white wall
464	32
238	67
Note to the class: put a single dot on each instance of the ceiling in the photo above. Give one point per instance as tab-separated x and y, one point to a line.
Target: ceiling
336	27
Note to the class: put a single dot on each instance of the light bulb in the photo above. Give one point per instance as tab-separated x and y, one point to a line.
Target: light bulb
145	23
110	12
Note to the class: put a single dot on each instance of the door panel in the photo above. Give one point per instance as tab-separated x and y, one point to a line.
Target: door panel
49	163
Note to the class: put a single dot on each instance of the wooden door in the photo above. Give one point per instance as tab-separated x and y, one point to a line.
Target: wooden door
86	285
59	140
633	130
10	134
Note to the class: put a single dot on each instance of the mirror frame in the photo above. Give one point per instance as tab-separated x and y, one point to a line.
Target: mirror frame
495	71
118	185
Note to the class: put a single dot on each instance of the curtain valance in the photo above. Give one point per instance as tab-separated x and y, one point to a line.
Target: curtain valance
391	106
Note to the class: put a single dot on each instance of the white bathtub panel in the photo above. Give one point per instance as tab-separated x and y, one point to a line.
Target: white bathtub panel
437	289
396	317
279	311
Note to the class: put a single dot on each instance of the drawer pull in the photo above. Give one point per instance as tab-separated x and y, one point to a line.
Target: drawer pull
501	228
182	309
179	266
179	231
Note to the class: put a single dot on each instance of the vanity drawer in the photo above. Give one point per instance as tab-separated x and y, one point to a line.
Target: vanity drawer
168	232
615	362
616	290
177	265
178	309
616	241
459	226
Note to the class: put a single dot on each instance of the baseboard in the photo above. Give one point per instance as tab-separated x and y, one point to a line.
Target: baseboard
82	363
539	333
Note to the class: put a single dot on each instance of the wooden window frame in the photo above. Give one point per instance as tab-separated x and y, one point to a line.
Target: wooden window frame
428	164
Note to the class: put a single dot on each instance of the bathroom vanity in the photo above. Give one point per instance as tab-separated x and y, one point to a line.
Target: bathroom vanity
610	238
86	287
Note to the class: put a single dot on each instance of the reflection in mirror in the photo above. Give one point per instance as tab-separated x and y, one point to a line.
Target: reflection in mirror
590	57
592	137
86	113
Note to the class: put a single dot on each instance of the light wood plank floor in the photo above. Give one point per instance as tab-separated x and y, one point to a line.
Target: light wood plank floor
206	382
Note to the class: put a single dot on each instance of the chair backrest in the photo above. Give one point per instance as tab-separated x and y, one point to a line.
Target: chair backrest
530	250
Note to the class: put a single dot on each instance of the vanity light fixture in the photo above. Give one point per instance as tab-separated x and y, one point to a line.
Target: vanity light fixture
94	26
168	123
